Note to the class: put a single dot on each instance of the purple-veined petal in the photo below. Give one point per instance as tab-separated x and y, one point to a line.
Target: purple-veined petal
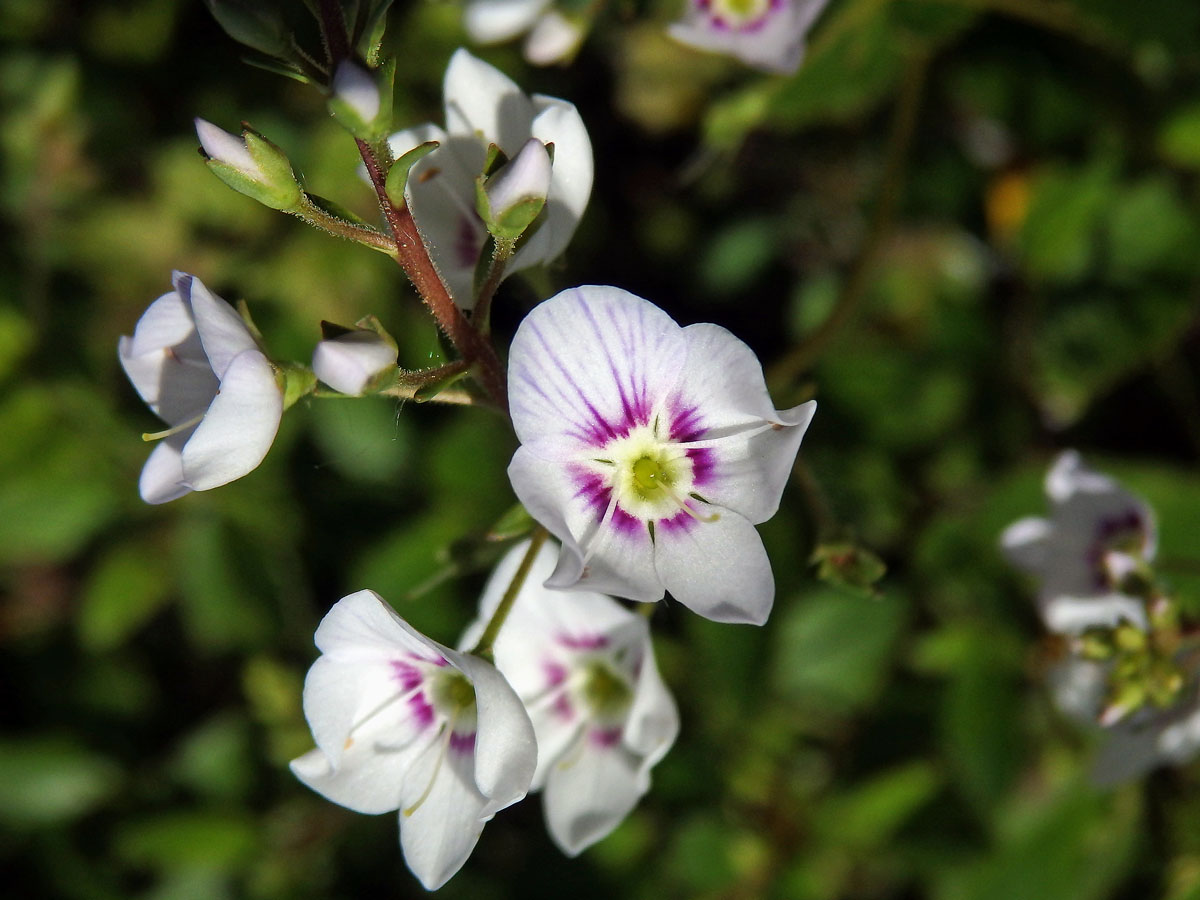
162	475
222	331
588	364
481	100
442	814
718	569
505	748
496	21
239	426
590	791
558	122
553	500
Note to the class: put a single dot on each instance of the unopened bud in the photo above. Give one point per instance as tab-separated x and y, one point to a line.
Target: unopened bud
251	165
514	196
355	101
355	362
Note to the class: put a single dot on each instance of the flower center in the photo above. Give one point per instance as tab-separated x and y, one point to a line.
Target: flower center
453	695
606	692
650	477
739	14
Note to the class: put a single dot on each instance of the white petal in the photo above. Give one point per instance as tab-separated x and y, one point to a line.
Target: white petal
221	329
482	101
409	138
367	780
355	86
554	38
1073	615
589	363
239	427
589	792
165	323
162	475
1026	543
496	21
227	148
363	627
505	748
653	722
350	362
441	195
1068	475
718	569
440	833
525	177
558	122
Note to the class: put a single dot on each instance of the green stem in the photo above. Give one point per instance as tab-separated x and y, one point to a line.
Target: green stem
495	623
312	214
502	251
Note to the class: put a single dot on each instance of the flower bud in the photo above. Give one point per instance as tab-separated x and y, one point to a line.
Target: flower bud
514	196
354	362
251	165
554	38
355	101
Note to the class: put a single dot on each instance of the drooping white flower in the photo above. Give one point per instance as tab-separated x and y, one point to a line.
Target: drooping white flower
1095	532
483	106
552	37
584	668
196	364
404	723
351	362
650	451
766	34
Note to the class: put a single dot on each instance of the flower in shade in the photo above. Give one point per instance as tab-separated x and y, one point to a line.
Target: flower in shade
584	668
766	34
196	364
1097	533
552	36
483	106
650	451
403	723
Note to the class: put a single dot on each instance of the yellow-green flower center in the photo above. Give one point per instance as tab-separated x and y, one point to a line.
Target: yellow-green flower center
740	12
607	693
452	693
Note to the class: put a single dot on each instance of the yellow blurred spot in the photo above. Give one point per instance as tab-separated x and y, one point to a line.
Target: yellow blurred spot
1006	204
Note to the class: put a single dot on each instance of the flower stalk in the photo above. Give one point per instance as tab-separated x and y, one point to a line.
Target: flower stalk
483	647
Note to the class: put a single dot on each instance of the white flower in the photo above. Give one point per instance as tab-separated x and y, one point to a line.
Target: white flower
483	106
584	668
351	362
766	34
403	723
650	451
552	36
1095	530
195	363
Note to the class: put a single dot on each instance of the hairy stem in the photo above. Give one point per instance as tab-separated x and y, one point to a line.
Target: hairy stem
502	251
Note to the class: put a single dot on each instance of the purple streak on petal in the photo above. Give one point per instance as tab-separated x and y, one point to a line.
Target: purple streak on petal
408	675
704	461
422	712
556	673
562	706
678	523
626	524
466	242
605	737
686	423
599	431
462	742
583	642
596	494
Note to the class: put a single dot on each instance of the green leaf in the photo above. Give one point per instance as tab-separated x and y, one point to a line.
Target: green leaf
127	587
206	840
47	781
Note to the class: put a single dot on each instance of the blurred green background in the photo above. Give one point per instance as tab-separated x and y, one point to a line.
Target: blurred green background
968	227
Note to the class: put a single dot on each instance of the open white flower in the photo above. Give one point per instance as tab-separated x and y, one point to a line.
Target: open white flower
650	451
483	106
766	34
584	668
404	723
196	364
1095	532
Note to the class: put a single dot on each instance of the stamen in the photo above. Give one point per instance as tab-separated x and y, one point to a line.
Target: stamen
682	503
447	731
598	536
395	698
182	426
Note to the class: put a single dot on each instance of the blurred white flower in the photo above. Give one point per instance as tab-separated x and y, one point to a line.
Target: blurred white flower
552	37
766	34
196	364
584	667
351	362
